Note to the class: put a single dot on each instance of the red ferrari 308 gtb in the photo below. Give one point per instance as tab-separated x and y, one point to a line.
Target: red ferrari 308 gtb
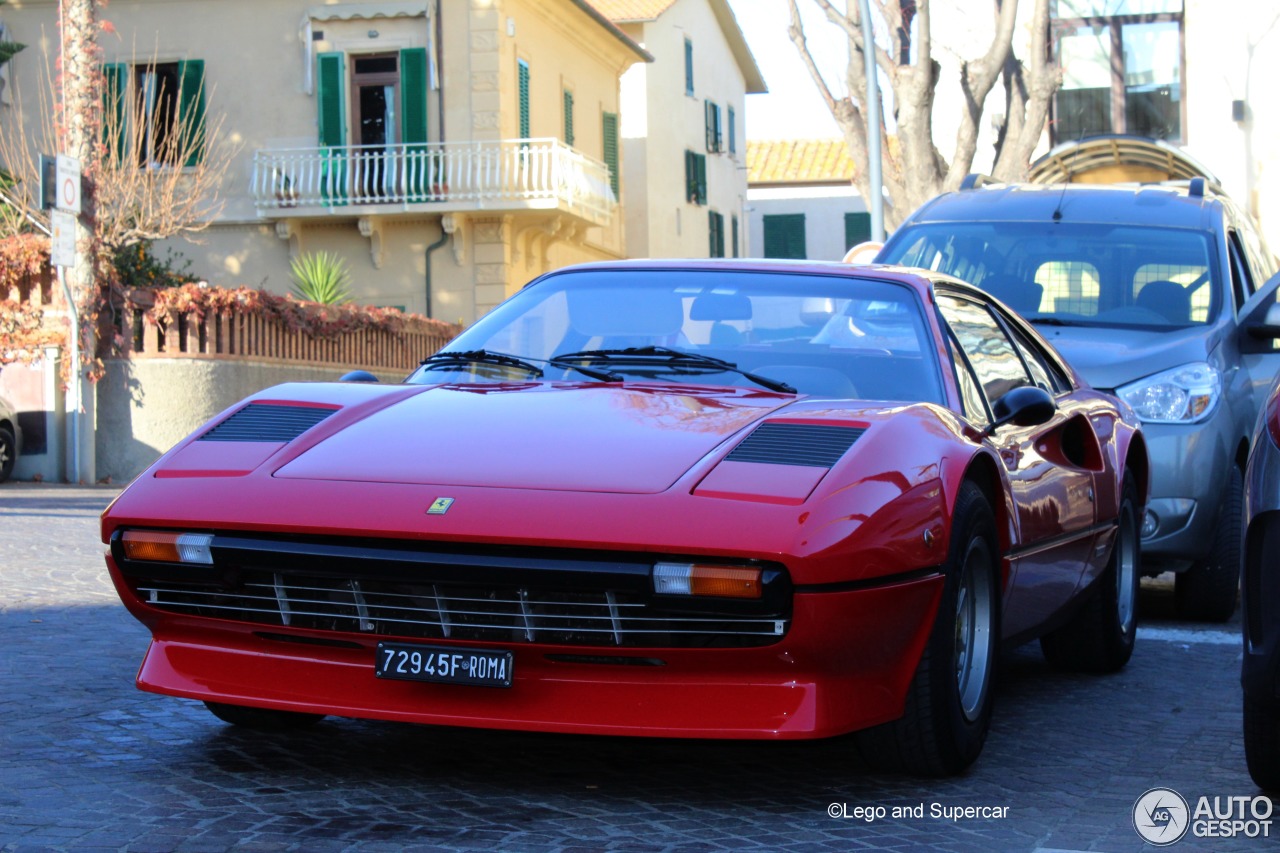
679	499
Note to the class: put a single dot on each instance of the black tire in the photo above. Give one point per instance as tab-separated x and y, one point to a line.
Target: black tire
1262	744
1099	637
262	719
1207	591
948	708
8	452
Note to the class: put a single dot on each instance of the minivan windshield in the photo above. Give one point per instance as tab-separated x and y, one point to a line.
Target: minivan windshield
1084	274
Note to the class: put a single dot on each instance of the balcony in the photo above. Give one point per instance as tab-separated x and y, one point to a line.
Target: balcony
444	177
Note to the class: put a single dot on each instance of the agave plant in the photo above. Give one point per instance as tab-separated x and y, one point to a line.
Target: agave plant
321	277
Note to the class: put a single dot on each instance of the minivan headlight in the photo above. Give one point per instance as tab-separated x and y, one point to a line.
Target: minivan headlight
1182	395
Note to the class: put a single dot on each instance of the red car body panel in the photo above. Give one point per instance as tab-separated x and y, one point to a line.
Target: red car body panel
635	467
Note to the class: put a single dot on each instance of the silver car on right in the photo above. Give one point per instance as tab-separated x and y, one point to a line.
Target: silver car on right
1156	293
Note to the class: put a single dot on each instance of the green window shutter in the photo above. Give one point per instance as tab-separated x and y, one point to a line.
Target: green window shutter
115	117
191	108
733	233
715	227
733	132
330	99
712	111
701	162
690	177
610	134
523	86
784	236
413	94
857	229
688	67
568	117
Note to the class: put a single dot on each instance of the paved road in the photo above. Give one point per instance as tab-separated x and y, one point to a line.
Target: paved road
88	762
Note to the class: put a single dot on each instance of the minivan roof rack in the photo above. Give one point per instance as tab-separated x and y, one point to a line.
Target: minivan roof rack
974	180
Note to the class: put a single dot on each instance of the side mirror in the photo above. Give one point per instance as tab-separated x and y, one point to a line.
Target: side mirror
1269	328
358	376
1025	406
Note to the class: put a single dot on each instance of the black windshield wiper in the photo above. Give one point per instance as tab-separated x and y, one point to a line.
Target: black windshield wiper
479	356
482	356
677	357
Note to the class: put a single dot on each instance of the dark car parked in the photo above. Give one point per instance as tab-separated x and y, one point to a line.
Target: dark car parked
1260	597
10	435
1153	292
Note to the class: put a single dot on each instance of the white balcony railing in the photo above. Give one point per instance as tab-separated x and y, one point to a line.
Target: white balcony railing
520	173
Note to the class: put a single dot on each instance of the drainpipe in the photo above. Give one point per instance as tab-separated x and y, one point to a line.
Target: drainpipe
444	238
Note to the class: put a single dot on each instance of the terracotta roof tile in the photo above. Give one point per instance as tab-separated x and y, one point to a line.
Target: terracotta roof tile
799	161
632	10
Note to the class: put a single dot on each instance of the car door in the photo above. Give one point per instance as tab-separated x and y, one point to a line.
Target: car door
1053	485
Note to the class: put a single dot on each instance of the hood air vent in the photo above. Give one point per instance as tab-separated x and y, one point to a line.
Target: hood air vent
796	444
268	422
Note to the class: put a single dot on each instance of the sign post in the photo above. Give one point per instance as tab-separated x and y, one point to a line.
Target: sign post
63	193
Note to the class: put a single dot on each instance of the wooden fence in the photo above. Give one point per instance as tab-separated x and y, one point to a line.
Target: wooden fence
245	335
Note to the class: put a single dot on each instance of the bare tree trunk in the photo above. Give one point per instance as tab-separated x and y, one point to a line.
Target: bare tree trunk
79	123
914	169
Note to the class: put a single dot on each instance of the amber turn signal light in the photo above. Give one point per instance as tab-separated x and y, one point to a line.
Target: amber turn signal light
706	580
166	547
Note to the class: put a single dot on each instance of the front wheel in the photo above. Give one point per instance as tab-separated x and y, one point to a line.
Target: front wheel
948	707
262	719
1262	744
1099	637
1207	591
8	453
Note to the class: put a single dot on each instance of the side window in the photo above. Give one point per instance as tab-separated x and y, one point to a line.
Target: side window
1241	281
975	407
992	354
1045	373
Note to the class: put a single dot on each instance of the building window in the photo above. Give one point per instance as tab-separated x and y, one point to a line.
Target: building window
155	112
784	236
1122	68
733	132
688	67
568	117
733	233
715	226
713	126
695	177
522	86
857	229
609	131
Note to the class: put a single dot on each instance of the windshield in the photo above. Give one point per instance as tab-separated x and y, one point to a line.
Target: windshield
1074	274
818	335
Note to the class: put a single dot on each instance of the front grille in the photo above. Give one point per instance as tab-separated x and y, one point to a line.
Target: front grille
513	614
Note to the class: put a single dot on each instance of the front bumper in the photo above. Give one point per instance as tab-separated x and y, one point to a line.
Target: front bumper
1189	472
844	664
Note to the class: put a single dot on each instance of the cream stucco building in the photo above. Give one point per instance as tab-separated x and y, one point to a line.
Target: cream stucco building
450	150
684	128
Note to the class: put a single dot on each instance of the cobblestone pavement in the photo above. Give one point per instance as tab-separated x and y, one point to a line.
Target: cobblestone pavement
90	763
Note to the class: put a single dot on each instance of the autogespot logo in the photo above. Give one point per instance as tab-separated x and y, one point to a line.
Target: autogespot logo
1161	816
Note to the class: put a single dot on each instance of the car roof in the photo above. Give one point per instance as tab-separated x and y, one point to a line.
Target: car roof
1169	205
920	279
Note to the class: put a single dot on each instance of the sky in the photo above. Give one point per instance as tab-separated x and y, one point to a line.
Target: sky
792	109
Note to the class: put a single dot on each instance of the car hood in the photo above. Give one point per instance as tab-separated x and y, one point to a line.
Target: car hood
1109	358
593	437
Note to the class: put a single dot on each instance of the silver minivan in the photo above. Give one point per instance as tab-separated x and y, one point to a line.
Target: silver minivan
1154	292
